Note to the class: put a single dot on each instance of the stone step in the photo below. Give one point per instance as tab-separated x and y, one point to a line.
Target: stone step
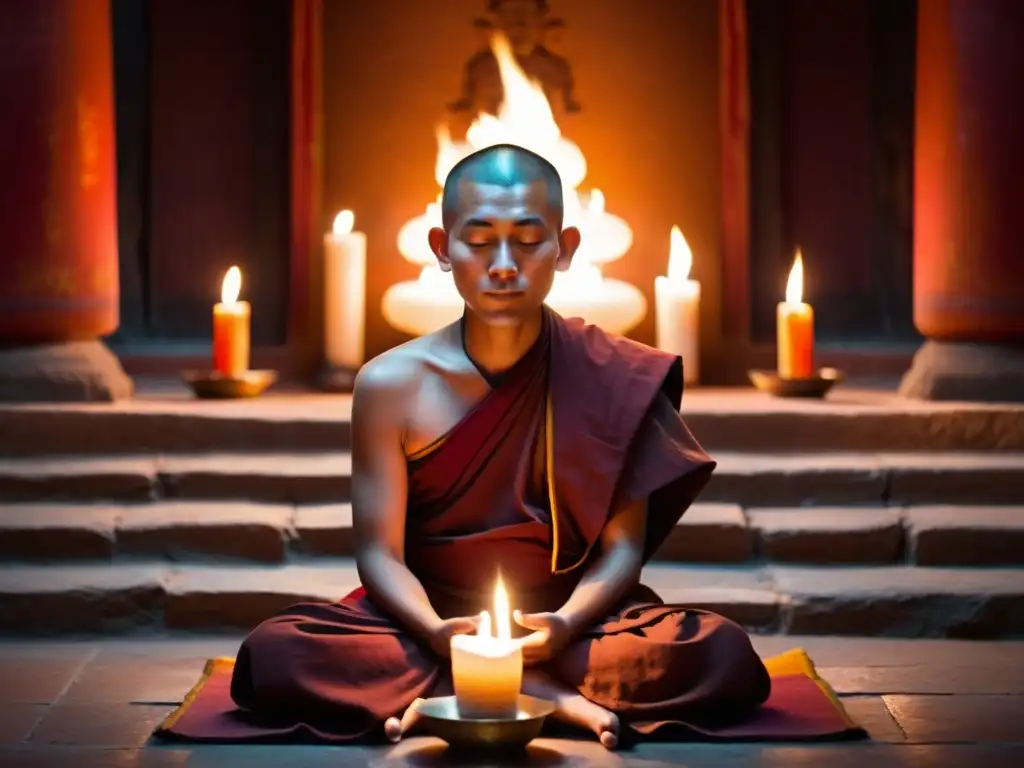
888	601
294	478
321	478
197	531
164	419
170	421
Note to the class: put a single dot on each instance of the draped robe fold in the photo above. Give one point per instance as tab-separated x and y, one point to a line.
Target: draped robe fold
583	423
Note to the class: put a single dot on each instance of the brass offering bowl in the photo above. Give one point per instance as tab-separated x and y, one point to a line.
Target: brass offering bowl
816	386
211	385
441	718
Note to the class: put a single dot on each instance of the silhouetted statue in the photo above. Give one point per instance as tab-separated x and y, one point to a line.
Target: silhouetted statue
526	24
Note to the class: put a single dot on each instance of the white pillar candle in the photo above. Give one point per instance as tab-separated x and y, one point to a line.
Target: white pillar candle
677	308
487	668
344	293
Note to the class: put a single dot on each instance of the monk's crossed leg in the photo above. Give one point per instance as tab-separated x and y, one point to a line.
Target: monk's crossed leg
663	665
342	660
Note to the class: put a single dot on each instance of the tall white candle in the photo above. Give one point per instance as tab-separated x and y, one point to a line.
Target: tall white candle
677	308
487	669
344	293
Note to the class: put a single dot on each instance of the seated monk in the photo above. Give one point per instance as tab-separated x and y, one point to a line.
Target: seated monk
519	442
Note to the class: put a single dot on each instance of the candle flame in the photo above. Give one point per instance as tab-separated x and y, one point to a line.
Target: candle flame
483	629
524	112
502	613
795	284
231	286
596	202
524	118
344	222
447	154
680	258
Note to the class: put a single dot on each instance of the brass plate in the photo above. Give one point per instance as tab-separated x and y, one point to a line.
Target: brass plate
441	718
814	387
210	385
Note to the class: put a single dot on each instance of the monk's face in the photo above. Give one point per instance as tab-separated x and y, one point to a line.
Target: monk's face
503	249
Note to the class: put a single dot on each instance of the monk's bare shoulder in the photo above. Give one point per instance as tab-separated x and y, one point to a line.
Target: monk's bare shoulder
386	386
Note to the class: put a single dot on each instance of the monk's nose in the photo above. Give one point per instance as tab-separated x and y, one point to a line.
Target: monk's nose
503	267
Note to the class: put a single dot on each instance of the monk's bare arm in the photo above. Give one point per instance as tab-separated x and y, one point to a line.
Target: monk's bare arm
614	572
379	496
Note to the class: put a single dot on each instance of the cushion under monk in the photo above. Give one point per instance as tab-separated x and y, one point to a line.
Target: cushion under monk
802	707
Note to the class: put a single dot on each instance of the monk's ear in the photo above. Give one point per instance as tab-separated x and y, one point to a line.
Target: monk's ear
438	240
568	243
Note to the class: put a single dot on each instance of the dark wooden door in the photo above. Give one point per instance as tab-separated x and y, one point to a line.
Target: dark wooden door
203	155
832	108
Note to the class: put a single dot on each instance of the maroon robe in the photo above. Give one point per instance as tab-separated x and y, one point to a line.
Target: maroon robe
589	422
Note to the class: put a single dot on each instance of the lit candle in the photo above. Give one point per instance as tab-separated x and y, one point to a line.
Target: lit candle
231	328
677	308
344	293
795	328
487	668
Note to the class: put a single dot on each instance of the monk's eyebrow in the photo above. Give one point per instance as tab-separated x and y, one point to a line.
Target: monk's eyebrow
528	221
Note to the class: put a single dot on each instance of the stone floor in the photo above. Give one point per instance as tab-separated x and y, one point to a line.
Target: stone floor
925	703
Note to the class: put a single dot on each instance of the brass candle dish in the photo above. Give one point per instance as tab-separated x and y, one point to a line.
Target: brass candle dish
816	386
211	385
441	718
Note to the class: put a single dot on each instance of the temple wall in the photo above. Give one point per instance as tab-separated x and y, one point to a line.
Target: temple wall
647	79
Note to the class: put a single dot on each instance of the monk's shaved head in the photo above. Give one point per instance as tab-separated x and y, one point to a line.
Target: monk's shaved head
503	165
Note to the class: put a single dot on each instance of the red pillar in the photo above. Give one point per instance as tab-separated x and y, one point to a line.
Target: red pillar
969	160
58	208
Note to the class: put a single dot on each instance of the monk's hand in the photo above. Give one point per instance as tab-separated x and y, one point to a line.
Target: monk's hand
549	634
441	638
